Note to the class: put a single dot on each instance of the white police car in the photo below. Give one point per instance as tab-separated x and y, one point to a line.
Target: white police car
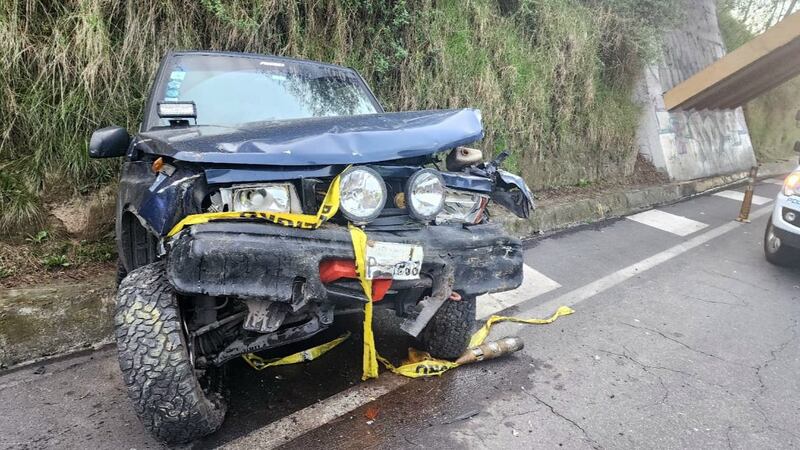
782	237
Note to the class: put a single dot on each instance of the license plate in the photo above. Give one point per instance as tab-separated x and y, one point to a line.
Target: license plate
392	260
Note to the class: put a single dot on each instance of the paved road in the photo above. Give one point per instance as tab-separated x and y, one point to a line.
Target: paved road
683	336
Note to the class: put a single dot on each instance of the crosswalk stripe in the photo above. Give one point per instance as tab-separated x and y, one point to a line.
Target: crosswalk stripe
670	223
534	283
739	196
773	181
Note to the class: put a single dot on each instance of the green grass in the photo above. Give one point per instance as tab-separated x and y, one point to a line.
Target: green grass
56	261
553	78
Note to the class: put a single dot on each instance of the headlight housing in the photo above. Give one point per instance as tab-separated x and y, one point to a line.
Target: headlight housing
274	197
362	194
425	194
462	207
791	185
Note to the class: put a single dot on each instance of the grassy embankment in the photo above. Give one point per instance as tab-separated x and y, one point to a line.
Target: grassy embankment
553	77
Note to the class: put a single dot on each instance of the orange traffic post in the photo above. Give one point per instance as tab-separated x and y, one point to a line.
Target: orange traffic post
744	211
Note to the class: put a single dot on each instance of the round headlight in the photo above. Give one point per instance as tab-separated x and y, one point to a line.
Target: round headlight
425	194
362	194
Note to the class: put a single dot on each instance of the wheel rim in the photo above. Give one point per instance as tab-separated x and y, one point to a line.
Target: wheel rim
773	241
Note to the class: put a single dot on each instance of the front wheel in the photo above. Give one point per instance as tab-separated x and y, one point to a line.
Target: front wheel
161	381
447	334
776	251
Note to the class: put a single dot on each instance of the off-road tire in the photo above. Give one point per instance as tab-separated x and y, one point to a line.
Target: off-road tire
776	252
447	334
158	374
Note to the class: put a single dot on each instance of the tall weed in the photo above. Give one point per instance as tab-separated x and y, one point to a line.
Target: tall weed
552	77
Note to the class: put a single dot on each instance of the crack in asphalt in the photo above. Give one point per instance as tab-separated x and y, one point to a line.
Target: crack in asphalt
760	288
705	300
471	434
669	369
774	356
763	387
728	436
742	301
594	444
411	442
687	346
647	369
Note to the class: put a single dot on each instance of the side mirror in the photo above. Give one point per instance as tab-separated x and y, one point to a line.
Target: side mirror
797	118
797	146
109	142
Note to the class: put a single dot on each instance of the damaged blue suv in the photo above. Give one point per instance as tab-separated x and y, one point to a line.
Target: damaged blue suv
233	210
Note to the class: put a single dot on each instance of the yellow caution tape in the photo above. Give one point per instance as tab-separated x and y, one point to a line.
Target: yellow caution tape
480	336
421	364
426	365
312	353
370	363
425	368
330	204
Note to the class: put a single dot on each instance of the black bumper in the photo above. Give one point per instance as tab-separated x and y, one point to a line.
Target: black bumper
787	238
250	259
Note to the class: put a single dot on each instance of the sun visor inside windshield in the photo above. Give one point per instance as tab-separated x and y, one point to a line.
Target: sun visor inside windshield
325	140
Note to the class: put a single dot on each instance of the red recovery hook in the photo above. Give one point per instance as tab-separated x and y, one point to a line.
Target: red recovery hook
333	269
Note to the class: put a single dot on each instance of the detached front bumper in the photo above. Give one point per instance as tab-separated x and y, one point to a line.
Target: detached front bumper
257	260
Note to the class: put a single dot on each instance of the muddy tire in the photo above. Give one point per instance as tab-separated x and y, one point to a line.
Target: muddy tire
446	336
775	251
158	373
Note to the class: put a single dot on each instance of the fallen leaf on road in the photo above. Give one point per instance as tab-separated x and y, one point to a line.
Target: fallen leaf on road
371	413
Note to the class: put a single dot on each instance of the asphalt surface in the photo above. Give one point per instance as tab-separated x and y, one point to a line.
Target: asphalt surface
677	341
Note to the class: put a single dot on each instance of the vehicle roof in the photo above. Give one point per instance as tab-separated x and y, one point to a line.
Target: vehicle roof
255	55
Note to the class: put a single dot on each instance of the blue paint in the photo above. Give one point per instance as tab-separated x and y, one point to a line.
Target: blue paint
319	141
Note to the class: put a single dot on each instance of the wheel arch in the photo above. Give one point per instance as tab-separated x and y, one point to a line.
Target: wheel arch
137	243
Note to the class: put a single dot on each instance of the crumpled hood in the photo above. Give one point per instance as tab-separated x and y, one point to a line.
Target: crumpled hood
319	141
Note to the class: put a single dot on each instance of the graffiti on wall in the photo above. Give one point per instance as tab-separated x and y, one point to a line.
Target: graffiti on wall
717	131
697	142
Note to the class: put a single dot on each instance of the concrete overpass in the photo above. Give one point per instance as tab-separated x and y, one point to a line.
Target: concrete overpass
742	75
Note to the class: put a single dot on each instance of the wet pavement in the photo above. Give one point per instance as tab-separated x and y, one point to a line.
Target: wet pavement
677	341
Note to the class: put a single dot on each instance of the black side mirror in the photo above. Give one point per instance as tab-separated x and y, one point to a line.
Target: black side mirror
109	142
797	146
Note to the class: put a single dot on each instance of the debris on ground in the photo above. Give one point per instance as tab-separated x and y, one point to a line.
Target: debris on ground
371	414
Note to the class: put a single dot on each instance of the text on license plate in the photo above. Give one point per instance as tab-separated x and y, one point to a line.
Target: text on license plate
393	260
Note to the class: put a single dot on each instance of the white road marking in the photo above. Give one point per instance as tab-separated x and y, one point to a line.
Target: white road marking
670	223
300	422
534	284
607	282
314	416
739	196
777	181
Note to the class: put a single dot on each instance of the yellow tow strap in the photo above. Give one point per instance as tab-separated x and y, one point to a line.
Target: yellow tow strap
418	364
312	353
